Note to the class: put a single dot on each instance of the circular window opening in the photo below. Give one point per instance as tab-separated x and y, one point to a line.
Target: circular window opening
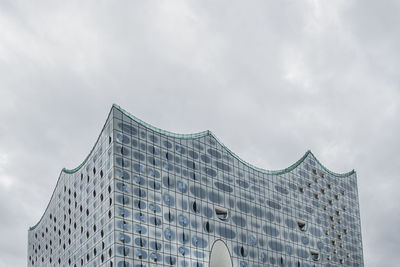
221	213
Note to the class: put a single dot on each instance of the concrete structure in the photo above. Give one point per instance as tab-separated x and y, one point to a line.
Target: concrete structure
148	197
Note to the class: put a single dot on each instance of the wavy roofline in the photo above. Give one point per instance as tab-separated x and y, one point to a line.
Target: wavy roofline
71	171
208	132
190	136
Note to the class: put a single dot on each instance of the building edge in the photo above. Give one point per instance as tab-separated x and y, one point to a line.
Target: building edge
189	136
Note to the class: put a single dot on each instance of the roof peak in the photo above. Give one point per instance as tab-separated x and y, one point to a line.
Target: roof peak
208	132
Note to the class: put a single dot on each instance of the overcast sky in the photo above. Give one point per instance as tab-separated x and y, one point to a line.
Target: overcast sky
271	79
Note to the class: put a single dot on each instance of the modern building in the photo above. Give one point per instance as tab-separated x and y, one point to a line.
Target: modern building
148	197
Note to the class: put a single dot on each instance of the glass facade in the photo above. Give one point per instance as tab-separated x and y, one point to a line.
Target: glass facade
147	197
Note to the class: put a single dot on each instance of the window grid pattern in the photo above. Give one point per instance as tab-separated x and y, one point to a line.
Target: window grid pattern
173	197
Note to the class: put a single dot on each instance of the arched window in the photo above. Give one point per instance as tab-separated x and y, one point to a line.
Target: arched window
220	256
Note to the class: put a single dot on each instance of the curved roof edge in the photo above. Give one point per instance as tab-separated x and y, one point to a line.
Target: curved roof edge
208	132
331	172
189	136
161	131
71	171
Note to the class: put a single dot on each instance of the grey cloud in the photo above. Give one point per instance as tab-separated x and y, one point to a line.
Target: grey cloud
270	78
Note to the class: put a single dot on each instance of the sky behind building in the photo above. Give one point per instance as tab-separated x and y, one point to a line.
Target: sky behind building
271	79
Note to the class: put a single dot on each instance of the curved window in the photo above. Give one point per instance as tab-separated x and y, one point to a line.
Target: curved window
241	251
209	228
221	213
302	225
314	255
195	207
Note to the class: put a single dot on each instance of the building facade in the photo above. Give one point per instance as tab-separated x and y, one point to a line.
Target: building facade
148	197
